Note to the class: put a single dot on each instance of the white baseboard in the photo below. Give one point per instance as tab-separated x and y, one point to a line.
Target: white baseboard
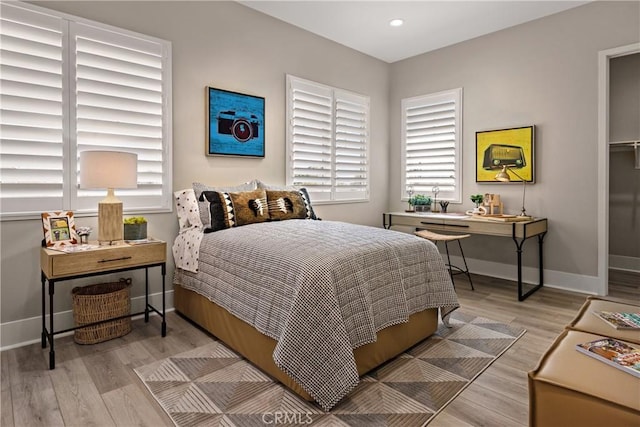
28	331
552	279
627	263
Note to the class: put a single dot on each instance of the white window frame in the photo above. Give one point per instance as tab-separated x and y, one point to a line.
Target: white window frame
425	186
152	195
335	144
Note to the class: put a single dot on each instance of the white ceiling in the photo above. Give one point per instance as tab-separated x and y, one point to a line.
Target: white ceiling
428	24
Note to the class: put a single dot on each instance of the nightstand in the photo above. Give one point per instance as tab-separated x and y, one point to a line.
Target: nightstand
57	266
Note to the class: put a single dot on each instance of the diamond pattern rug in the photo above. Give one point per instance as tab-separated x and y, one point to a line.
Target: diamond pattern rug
213	386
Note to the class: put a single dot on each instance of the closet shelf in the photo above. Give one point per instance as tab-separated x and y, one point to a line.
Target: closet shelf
632	142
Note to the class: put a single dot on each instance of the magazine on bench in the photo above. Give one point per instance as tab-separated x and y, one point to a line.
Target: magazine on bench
615	353
619	320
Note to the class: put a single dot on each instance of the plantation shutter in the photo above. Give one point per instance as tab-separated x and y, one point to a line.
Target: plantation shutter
431	144
69	85
119	106
327	141
32	120
311	127
351	139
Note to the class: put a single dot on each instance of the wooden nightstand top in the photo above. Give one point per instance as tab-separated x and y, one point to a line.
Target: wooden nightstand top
57	264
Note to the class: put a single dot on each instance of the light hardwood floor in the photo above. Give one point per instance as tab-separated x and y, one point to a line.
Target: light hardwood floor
95	385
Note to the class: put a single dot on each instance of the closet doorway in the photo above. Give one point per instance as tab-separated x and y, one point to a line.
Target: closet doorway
618	178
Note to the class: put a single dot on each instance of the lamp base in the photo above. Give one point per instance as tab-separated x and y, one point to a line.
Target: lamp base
110	226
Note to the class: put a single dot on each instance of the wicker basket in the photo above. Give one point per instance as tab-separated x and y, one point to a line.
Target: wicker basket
98	302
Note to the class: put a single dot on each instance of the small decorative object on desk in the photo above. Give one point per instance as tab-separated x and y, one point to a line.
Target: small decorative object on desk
435	191
615	353
410	193
478	210
619	320
83	233
443	206
135	228
420	203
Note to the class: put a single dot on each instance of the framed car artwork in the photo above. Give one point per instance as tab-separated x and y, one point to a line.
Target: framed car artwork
235	124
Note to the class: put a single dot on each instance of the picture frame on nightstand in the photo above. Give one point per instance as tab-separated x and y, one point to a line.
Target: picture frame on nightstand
59	229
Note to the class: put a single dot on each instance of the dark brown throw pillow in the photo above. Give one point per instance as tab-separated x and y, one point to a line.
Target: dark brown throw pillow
235	209
285	204
249	207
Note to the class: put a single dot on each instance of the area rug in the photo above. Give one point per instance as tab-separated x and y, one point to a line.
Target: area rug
213	386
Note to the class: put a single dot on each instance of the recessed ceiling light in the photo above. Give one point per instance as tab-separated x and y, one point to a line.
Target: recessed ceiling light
396	22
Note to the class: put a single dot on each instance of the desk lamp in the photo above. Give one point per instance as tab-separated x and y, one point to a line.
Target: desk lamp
503	176
109	170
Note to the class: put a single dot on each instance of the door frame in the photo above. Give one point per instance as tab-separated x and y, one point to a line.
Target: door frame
604	57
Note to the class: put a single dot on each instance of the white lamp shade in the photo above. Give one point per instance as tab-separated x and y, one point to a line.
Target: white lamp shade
108	169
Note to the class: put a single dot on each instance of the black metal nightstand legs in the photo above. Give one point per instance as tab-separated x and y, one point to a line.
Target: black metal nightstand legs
164	322
52	353
44	326
47	335
146	295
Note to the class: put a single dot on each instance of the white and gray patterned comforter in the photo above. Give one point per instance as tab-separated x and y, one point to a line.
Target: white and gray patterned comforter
320	289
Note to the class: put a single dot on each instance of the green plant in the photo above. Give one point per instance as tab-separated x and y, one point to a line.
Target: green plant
135	220
420	199
477	198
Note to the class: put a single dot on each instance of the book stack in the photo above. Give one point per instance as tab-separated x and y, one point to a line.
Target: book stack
619	320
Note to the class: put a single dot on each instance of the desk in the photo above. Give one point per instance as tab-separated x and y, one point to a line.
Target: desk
58	266
518	231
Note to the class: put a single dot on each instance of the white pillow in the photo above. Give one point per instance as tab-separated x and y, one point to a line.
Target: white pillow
187	209
266	186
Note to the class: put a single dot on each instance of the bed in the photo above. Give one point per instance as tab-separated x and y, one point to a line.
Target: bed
315	304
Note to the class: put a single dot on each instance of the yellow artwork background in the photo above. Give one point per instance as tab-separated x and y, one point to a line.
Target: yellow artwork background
520	137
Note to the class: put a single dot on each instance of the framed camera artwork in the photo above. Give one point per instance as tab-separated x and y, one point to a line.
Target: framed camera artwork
235	124
511	150
59	229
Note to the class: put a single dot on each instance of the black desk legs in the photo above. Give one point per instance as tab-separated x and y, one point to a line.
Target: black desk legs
519	244
164	322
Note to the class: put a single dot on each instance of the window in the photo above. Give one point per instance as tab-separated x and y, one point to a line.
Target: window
431	145
327	141
70	85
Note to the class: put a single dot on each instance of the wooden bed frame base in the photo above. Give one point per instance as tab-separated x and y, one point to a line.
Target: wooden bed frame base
258	348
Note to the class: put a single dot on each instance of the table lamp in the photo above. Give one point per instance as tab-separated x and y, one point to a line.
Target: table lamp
503	176
109	170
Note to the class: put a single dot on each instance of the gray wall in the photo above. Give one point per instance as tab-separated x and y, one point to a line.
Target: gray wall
624	179
541	73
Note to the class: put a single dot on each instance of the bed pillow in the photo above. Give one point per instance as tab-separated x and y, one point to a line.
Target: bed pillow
187	209
234	209
266	186
289	204
203	206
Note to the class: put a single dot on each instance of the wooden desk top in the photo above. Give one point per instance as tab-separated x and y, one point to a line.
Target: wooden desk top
462	223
